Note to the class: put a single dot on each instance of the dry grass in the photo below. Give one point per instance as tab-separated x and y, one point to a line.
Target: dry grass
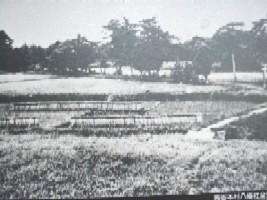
40	166
19	77
46	166
85	85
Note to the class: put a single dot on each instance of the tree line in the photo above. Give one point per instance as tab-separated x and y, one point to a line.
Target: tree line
142	46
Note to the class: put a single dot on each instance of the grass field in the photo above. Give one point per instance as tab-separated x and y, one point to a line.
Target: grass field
45	165
86	85
97	86
20	77
34	166
49	84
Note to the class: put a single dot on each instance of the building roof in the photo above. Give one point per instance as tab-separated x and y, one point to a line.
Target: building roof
168	65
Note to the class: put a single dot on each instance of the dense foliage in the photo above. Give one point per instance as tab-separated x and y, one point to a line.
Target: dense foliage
142	46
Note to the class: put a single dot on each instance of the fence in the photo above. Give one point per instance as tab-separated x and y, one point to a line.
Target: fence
241	77
18	122
13	97
171	122
75	106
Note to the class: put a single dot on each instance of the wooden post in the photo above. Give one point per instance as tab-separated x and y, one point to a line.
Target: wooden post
234	67
94	121
264	69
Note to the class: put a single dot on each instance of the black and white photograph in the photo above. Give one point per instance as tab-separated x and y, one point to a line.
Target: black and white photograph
114	99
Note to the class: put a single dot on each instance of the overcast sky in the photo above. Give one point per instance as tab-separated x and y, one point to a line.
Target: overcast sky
43	22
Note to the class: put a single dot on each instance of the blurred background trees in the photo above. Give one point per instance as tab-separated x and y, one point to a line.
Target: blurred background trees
142	46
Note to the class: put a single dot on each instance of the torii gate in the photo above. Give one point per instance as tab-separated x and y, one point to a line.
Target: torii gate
264	69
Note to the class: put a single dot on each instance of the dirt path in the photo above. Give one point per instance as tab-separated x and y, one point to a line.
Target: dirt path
208	134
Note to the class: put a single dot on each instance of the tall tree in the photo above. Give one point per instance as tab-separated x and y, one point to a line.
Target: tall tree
37	54
231	41
153	46
21	60
53	52
70	55
122	43
5	50
259	31
202	55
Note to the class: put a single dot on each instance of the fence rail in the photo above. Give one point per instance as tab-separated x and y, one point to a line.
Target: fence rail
135	121
241	77
63	106
16	122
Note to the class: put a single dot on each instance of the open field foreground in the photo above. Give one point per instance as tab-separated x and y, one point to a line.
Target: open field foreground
155	99
35	166
58	142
